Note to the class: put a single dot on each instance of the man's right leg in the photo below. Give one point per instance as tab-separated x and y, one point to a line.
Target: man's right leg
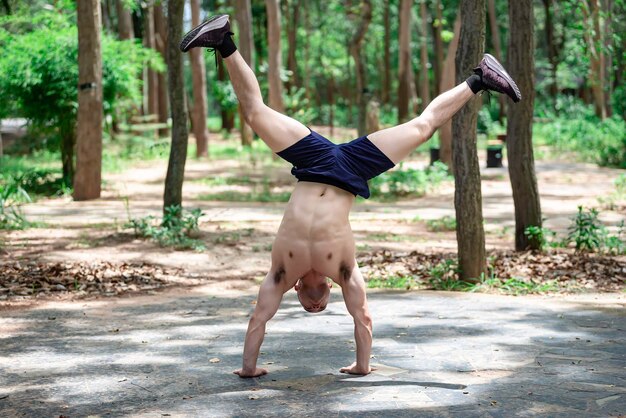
277	130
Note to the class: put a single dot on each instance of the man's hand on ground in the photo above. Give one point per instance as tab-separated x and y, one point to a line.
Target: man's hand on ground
257	372
354	369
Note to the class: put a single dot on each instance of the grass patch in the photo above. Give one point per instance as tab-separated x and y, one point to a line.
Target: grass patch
392	282
388	236
254	196
447	223
515	286
403	182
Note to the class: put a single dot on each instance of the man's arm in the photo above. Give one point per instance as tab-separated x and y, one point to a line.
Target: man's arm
356	301
268	301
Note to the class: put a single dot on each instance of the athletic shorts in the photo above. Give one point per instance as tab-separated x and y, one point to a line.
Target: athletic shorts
348	166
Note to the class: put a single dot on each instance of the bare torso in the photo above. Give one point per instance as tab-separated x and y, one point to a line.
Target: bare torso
314	235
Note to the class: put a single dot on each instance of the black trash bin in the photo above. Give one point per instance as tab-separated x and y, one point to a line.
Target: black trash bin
434	155
494	157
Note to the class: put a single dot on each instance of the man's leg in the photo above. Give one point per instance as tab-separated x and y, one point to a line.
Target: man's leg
277	130
398	142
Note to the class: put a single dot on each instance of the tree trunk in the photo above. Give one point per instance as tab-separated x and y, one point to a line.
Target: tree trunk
356	50
521	65
307	48
551	49
160	29
424	82
467	197
497	46
105	15
448	81
274	52
87	182
227	116
7	7
178	151
293	16
387	56
124	21
67	132
198	73
149	41
405	72
246	48
593	37
437	26
607	6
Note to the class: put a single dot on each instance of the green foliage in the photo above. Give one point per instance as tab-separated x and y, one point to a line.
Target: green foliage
392	282
408	182
447	223
445	276
589	235
542	235
515	286
11	216
225	96
176	229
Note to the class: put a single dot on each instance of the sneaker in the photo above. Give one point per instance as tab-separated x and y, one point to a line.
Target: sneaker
209	34
495	78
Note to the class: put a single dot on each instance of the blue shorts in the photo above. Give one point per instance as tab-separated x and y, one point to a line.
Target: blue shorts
348	166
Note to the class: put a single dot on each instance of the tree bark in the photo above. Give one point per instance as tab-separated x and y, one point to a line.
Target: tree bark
593	37
198	73
356	50
274	53
387	55
467	197
551	49
149	41
160	29
607	7
437	26
7	6
521	66
246	49
448	80
124	21
424	82
178	151
87	181
405	71
293	17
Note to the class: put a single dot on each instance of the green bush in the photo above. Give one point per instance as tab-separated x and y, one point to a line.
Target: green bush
176	229
589	235
11	216
408	182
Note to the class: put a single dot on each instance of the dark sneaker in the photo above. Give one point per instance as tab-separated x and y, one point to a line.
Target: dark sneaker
209	34
495	78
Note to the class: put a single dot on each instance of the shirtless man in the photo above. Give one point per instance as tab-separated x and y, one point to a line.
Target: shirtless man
314	240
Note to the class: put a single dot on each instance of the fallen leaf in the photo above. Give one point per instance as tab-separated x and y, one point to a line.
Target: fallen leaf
214	360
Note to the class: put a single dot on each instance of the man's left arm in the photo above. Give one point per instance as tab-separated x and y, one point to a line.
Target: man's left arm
354	296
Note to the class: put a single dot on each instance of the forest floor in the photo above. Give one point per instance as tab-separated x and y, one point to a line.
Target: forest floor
77	242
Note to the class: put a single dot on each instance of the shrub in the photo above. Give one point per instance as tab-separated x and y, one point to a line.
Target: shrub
176	229
408	182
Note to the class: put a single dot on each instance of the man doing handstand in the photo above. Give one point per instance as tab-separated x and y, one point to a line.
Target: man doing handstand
314	241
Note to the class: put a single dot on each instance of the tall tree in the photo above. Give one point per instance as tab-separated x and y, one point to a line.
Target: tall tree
149	41
595	46
467	196
437	26
292	13
497	46
198	73
357	53
124	21
551	48
448	80
87	181
274	52
246	47
521	65
178	152
405	72
160	30
424	81
7	6
387	54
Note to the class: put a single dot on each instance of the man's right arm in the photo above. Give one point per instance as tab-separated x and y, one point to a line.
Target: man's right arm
268	301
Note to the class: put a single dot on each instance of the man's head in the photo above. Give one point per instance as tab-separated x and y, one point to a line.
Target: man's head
313	292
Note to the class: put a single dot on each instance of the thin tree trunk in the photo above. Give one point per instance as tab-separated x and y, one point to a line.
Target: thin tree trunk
437	26
551	49
7	7
105	20
593	36
467	197
246	48
387	55
198	73
405	71
356	50
424	82
87	181
160	26
67	133
307	48
274	53
152	103
293	17
497	46
124	21
178	152
521	66
448	80
227	116
607	6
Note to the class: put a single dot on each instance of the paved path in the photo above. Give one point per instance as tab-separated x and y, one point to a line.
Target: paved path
439	355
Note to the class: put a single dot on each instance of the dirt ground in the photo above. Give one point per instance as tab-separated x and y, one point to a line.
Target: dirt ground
238	235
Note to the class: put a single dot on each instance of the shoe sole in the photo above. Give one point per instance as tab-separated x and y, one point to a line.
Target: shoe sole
215	22
495	65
